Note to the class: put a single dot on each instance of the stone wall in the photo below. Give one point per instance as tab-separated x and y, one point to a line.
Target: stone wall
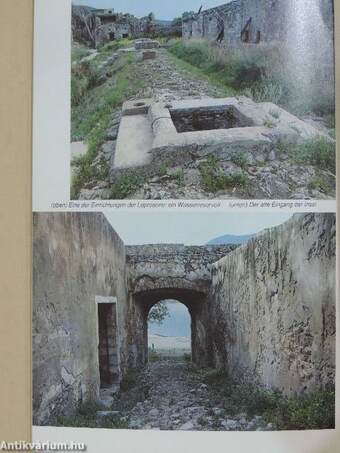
173	271
158	266
273	306
264	311
76	257
262	20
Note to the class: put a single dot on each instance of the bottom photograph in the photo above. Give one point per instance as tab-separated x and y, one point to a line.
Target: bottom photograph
184	321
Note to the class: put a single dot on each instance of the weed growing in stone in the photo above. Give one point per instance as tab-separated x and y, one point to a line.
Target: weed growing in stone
86	417
162	170
126	184
239	159
269	123
311	411
179	177
320	152
214	178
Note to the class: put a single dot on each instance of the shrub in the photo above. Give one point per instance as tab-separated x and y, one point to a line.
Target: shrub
320	152
257	72
312	411
239	159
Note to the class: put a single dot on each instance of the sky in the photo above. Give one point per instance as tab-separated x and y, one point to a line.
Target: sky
177	324
162	10
189	228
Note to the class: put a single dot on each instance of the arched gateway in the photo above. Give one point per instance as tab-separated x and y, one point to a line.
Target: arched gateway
178	272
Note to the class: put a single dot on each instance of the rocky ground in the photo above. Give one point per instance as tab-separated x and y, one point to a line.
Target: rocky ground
277	177
168	396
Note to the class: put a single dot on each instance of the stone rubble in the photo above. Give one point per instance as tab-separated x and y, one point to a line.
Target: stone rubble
177	401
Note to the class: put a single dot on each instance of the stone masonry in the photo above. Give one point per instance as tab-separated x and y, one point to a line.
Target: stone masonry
247	21
264	311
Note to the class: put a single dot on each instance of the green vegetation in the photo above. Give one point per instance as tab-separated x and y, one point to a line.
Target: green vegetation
78	52
256	72
319	183
162	170
127	184
153	356
311	411
86	418
239	159
320	152
96	92
269	123
179	177
214	178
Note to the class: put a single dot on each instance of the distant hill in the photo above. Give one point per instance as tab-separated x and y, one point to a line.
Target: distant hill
230	239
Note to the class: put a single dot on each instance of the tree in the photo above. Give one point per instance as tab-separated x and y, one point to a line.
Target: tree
158	313
84	24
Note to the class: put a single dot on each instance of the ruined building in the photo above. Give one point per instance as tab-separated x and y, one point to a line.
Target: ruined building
99	26
263	311
251	21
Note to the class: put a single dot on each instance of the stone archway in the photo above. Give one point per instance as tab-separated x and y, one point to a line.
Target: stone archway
196	303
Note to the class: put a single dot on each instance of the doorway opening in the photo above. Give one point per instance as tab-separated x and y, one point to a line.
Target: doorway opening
169	332
112	36
107	348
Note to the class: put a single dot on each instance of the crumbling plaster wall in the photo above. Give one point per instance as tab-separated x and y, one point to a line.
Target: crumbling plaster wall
273	306
76	257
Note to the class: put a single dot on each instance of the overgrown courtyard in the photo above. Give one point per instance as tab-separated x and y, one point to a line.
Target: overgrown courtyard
103	80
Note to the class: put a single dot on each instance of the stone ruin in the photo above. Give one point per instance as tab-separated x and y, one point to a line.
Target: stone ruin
256	312
146	43
249	21
181	131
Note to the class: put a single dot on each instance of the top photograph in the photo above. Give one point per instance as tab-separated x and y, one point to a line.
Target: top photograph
186	100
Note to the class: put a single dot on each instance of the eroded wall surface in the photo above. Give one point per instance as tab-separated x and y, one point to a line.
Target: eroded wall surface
273	306
76	257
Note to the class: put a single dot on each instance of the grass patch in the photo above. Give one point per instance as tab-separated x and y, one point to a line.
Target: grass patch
320	152
126	185
190	65
311	411
153	356
91	119
179	177
239	159
256	72
320	184
79	51
116	45
85	417
214	178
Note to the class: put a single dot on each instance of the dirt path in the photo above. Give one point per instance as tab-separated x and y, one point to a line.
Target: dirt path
173	398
